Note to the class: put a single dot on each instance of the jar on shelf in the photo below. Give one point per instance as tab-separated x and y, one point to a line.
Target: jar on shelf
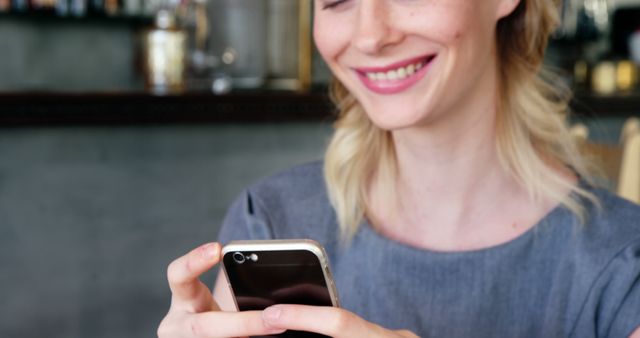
164	51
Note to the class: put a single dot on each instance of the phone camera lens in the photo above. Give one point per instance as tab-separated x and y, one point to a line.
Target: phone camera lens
238	257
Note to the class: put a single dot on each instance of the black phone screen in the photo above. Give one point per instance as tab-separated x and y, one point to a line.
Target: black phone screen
265	278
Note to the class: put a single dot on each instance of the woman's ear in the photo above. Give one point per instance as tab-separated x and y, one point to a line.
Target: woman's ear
506	7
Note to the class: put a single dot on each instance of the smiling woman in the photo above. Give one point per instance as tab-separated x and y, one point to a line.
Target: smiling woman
462	87
452	40
452	201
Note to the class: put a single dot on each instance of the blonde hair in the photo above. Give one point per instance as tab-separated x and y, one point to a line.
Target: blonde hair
532	133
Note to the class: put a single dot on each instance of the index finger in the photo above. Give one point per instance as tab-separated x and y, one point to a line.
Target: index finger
326	320
183	273
228	324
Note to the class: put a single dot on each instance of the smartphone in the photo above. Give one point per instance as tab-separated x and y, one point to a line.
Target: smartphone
268	272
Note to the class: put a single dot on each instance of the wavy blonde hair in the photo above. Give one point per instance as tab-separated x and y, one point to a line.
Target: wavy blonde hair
532	133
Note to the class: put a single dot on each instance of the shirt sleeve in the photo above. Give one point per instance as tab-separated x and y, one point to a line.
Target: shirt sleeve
621	298
246	219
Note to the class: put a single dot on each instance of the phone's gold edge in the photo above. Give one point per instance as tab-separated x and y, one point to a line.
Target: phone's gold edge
286	244
233	294
275	245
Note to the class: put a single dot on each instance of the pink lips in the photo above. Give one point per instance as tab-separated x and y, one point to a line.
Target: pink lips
398	85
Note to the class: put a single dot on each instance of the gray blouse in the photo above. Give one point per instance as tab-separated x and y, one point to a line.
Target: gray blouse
560	279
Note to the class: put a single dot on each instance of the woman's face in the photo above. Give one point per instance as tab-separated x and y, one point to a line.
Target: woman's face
410	61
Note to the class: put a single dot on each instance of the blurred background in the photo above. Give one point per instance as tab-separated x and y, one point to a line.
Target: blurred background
128	126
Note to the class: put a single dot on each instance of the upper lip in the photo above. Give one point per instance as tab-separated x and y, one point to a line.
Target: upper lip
396	65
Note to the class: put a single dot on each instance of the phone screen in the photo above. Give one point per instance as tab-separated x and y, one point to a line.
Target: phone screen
260	279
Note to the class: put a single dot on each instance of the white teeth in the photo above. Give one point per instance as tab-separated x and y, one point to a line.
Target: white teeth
400	73
411	69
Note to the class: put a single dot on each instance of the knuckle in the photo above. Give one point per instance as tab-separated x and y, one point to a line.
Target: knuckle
164	329
342	321
250	323
196	327
179	271
173	273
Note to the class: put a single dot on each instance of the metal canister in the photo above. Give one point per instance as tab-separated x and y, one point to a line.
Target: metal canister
164	56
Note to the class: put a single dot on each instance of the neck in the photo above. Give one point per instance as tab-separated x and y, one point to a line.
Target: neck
448	160
451	191
450	170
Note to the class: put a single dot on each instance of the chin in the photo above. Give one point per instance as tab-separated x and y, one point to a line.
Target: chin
391	123
394	117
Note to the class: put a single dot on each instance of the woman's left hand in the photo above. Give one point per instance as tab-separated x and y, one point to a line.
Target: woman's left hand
329	321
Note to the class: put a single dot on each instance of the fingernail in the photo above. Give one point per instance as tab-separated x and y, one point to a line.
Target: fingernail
271	313
209	250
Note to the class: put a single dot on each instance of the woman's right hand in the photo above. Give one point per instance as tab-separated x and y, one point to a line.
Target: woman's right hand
193	311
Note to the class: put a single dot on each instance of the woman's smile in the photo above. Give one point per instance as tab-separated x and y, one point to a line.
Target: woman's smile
411	63
396	77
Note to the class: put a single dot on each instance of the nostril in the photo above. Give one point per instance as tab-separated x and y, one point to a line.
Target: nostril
371	39
368	44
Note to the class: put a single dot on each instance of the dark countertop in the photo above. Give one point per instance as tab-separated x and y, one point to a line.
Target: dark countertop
239	107
616	105
142	108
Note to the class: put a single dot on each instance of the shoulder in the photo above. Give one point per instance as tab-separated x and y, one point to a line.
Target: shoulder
607	260
614	225
609	233
603	247
298	183
293	204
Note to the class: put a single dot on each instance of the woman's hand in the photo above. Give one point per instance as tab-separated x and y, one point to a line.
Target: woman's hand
193	311
333	322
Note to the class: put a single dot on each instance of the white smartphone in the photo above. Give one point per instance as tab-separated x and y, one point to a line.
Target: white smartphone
268	272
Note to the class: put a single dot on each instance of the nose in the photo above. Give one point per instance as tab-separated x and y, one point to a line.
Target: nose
375	28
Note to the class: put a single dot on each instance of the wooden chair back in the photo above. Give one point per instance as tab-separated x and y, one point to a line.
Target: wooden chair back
619	163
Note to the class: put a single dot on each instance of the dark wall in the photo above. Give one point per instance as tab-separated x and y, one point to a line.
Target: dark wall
67	55
93	54
90	217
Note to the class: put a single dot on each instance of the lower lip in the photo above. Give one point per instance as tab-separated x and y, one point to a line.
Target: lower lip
388	87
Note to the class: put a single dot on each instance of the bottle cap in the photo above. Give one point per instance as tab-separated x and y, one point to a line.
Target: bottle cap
165	19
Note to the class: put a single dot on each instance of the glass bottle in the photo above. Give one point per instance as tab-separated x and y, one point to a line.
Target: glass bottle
164	49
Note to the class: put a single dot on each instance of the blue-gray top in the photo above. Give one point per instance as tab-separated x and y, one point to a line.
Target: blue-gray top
559	279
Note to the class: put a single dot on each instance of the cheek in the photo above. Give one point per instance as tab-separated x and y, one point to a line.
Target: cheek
328	39
450	21
442	30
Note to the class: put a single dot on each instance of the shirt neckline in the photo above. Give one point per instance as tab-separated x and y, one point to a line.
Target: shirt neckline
551	218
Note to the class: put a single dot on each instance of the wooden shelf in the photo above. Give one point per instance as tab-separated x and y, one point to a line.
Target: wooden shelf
22	109
141	108
618	105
